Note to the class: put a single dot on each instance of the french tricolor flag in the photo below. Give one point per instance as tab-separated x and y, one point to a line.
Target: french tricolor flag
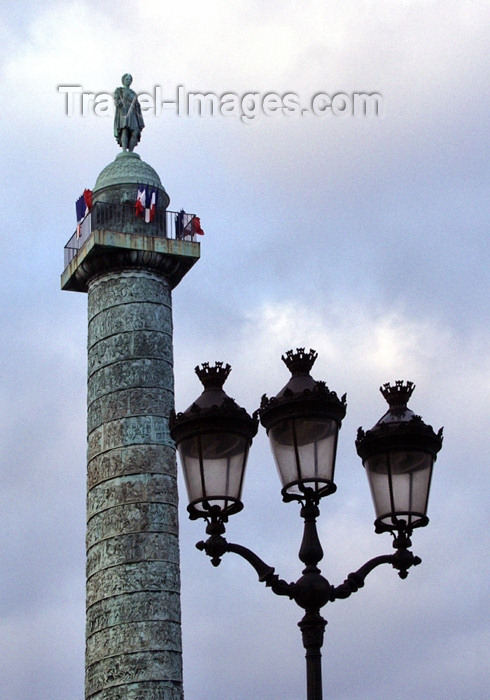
83	205
146	203
140	201
151	206
196	226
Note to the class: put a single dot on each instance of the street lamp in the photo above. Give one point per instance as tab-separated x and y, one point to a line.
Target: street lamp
213	437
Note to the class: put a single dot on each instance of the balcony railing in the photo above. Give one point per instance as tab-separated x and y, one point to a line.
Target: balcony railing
123	219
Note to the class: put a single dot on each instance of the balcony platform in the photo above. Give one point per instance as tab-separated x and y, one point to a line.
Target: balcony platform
105	243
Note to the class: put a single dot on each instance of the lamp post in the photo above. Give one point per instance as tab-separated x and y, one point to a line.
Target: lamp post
213	437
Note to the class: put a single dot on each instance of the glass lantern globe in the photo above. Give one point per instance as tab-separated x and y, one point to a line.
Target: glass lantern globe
398	454
302	424
213	437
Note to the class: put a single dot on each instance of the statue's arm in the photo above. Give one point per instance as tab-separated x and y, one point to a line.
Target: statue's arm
118	98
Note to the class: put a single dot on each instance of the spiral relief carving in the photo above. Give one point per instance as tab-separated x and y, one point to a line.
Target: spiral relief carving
133	576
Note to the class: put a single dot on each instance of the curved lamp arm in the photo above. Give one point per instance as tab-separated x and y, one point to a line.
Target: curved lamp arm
402	560
217	545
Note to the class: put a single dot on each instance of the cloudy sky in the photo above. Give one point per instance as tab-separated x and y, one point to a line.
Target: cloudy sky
364	238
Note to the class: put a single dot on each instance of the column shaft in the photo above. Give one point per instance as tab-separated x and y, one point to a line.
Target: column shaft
133	580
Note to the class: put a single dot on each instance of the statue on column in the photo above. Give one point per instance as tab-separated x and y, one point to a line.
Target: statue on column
128	120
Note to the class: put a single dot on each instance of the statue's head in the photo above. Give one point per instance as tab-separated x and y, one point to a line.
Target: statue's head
127	79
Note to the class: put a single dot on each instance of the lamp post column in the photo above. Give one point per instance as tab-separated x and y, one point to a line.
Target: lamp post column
311	592
312	628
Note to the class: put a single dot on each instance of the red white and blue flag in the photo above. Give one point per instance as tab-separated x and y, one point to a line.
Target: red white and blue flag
195	226
146	203
151	208
83	205
140	201
187	225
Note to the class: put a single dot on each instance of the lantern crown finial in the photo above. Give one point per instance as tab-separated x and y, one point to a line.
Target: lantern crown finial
299	362
213	377
398	394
